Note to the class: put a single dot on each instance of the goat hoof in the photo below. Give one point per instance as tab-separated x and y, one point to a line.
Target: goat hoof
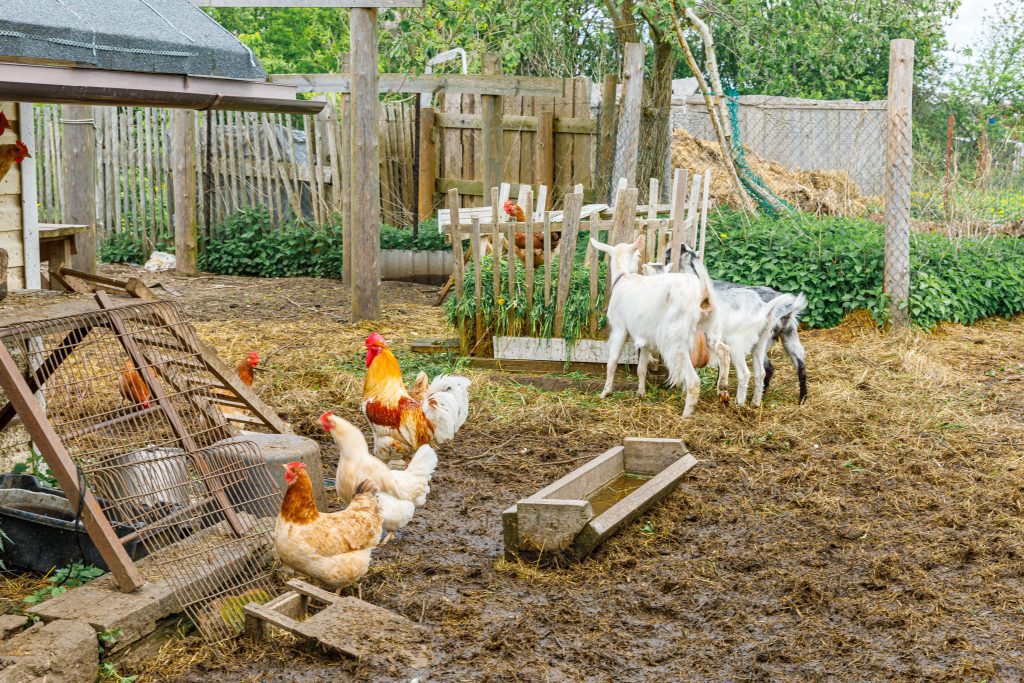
641	394
604	394
724	397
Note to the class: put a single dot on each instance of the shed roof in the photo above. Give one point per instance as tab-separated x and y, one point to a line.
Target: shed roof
151	36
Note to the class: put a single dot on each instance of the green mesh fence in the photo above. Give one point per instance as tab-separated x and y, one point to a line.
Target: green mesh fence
766	200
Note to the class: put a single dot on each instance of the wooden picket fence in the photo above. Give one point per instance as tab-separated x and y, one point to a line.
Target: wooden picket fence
682	220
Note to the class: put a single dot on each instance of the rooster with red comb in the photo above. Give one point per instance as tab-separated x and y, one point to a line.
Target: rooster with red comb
401	422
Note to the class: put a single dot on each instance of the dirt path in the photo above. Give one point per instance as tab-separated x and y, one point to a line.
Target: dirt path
872	534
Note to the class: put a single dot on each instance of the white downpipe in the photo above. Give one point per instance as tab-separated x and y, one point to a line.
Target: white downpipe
29	200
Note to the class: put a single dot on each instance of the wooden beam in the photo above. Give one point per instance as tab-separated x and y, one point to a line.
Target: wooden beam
475	188
64	469
78	151
365	165
544	154
560	124
491	108
475	84
627	147
183	149
899	160
608	124
428	163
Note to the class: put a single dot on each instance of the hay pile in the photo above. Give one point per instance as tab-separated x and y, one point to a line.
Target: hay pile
824	193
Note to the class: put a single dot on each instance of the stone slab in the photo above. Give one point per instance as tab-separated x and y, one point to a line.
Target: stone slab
62	650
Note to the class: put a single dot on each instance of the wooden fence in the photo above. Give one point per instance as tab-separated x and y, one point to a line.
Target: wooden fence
295	166
682	220
546	141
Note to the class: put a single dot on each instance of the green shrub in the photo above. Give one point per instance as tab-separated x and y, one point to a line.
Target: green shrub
836	262
429	239
122	248
247	244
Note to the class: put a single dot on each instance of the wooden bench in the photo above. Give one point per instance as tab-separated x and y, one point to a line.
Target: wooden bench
56	246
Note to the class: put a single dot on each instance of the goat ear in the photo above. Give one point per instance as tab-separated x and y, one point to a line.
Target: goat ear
669	267
638	244
600	246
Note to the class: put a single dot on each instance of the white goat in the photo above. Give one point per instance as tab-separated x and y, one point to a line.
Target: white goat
747	326
657	313
785	327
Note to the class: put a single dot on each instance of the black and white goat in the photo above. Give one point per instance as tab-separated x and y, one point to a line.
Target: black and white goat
784	326
660	314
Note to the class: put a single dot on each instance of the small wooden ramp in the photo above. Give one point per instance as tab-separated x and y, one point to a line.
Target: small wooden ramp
347	625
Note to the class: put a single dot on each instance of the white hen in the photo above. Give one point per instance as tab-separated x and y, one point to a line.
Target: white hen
401	491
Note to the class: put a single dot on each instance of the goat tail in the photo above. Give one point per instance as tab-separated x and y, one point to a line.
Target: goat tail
774	308
678	332
707	288
793	310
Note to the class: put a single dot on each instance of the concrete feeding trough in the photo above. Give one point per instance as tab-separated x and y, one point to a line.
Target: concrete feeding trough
573	516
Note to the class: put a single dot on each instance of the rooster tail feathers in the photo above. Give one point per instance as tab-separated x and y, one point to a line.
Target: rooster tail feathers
423	463
446	405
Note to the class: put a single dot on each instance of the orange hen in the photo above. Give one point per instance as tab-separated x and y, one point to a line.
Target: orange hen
333	548
132	386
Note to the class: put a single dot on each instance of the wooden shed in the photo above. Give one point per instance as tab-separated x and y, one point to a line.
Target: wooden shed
152	53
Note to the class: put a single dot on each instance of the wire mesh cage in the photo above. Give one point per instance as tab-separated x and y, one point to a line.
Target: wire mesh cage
126	391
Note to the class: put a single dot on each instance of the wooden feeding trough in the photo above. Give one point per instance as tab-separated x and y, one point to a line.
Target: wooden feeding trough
580	511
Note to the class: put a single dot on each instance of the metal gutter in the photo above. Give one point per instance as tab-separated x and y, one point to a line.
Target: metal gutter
63	85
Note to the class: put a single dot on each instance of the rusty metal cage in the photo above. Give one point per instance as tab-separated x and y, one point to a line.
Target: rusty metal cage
126	392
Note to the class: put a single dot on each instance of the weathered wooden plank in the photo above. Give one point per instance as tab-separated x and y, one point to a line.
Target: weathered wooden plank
428	163
547	525
475	188
628	143
649	456
513	122
185	199
477	84
606	141
78	146
570	227
364	165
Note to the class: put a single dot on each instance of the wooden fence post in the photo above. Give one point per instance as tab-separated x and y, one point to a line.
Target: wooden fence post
544	155
606	142
183	150
628	143
899	160
491	108
428	163
365	167
78	150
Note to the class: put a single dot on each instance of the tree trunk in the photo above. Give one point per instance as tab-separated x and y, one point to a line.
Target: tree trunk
655	137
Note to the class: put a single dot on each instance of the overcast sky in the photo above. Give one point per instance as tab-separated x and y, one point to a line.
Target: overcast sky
966	27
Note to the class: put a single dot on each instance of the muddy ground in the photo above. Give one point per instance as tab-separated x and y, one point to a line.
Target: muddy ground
872	534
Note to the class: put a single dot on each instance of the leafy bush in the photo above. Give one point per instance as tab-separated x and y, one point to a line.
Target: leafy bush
836	262
246	244
429	239
120	247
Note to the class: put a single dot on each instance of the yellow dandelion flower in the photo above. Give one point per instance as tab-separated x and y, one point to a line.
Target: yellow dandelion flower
501	301
723	235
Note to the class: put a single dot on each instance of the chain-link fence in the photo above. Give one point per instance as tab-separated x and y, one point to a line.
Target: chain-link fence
824	157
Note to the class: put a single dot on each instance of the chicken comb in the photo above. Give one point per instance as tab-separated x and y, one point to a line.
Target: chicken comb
508	206
253	358
324	420
4	123
375	340
23	149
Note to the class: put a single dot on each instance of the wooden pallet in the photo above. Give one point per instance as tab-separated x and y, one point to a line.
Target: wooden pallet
346	625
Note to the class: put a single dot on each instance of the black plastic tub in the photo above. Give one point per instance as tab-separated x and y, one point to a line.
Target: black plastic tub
42	535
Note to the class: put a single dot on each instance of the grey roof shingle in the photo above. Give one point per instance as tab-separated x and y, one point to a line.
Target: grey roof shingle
153	36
